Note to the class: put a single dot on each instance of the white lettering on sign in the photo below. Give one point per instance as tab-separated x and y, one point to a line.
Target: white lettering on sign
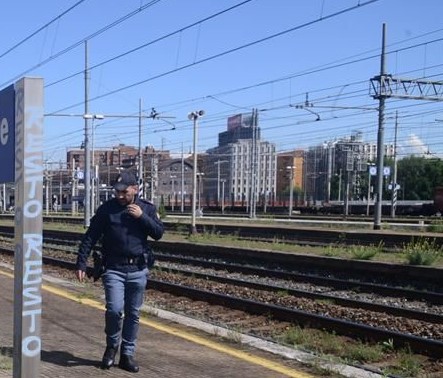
33	181
35	242
4	132
32	209
32	274
32	296
30	350
29	184
34	315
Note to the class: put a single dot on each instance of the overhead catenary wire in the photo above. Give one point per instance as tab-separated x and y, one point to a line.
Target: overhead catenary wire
27	38
295	116
82	41
226	52
272	35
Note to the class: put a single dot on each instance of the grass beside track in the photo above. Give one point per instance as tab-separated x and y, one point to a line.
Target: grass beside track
383	356
373	253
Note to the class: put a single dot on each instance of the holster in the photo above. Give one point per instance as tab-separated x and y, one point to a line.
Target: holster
149	258
99	266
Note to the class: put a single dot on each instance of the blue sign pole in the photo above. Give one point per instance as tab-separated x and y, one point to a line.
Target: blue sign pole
7	134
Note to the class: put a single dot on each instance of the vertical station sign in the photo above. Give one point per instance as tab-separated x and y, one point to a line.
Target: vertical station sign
7	127
28	226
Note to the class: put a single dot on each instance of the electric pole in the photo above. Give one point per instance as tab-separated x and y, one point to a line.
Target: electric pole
394	186
87	175
386	86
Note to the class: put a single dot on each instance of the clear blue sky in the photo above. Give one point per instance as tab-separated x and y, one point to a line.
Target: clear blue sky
225	65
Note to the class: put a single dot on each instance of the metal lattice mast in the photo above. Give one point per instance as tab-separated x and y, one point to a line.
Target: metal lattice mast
386	86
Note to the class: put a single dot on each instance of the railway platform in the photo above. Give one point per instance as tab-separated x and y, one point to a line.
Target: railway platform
73	341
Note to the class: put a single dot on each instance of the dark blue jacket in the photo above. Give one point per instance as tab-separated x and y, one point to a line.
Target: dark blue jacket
122	235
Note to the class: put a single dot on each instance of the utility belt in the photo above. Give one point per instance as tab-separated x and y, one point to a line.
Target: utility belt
133	260
145	259
126	263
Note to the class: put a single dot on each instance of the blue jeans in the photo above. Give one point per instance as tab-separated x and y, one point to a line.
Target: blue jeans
124	294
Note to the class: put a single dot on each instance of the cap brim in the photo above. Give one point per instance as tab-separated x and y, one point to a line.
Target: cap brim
119	186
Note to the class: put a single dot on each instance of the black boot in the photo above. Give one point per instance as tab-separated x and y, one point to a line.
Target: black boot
108	358
128	363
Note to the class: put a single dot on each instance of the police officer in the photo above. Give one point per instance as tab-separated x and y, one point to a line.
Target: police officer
123	223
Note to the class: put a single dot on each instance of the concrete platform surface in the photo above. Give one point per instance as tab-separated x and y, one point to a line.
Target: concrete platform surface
73	343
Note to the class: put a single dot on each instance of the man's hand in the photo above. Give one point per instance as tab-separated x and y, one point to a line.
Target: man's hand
80	274
134	210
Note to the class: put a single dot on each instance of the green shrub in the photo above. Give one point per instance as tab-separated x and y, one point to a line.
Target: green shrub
363	353
407	365
181	228
331	251
6	356
162	210
436	226
422	252
360	252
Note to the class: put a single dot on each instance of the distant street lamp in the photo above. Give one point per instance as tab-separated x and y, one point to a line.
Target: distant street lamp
194	116
218	162
291	188
94	181
199	187
173	177
372	171
223	197
330	146
87	176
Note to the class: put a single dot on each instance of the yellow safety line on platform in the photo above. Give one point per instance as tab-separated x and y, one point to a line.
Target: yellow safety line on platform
184	335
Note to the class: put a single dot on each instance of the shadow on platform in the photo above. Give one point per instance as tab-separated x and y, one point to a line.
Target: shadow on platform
66	359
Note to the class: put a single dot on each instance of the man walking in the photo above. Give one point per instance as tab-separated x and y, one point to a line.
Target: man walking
123	224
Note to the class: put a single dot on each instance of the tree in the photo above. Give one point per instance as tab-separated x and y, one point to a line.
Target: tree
418	177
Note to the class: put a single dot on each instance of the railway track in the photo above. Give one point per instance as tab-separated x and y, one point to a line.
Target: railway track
382	278
300	234
421	331
431	311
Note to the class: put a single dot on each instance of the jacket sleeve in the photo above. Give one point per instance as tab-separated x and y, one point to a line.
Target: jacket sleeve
89	239
152	222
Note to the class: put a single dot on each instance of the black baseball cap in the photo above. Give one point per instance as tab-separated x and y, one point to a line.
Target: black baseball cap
125	179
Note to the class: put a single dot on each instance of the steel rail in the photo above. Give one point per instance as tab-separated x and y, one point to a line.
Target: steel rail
292	263
433	348
345	302
344	284
430	347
